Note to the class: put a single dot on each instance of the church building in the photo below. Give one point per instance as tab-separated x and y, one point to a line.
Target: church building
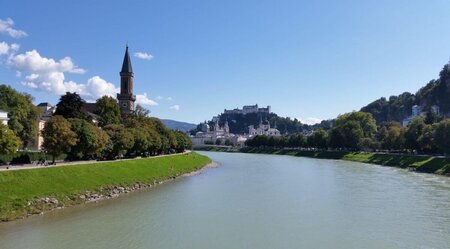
125	97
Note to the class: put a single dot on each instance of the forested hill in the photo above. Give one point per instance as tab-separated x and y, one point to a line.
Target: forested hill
397	108
178	125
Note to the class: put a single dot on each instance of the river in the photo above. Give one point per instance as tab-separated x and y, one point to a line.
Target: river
257	201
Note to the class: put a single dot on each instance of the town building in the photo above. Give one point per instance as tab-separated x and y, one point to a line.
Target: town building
4	117
263	129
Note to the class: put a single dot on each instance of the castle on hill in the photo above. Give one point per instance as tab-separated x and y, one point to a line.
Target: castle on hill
249	109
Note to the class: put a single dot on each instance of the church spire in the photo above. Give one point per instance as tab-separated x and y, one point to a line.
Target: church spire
125	97
126	65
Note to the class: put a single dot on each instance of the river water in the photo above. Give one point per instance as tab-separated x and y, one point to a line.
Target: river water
257	201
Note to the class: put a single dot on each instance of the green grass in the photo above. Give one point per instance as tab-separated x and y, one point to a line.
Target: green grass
66	183
426	164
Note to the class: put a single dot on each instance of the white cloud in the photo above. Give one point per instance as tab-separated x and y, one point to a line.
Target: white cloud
310	120
32	61
97	87
143	55
142	99
5	48
6	27
175	107
164	98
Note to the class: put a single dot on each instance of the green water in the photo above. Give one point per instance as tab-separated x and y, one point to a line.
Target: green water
257	201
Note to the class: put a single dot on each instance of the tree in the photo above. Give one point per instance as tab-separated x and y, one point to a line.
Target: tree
108	111
140	112
91	140
318	139
391	136
427	140
58	137
413	132
228	142
122	140
219	141
351	129
183	141
442	136
71	105
296	140
23	115
9	142
364	119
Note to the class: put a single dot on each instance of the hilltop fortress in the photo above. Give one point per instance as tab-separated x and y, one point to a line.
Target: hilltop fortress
249	109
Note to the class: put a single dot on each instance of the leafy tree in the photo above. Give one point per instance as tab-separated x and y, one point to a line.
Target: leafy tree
91	140
58	137
71	105
318	139
140	112
108	111
442	136
23	115
391	136
219	141
183	141
141	140
296	140
122	139
427	140
413	132
9	142
228	142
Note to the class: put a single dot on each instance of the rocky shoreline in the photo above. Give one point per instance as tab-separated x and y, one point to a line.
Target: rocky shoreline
43	205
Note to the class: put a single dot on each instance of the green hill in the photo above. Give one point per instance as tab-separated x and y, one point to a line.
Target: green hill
397	108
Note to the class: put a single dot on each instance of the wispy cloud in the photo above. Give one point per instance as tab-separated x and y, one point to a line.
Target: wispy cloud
143	55
6	48
175	107
164	98
310	120
6	27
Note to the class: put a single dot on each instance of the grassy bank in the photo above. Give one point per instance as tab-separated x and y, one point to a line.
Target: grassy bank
427	164
66	184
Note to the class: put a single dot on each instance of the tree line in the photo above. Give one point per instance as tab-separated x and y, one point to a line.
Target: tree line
72	130
358	131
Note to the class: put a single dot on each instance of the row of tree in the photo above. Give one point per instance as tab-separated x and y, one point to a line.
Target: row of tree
358	131
74	131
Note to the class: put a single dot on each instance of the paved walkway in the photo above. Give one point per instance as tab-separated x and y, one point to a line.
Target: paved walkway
32	166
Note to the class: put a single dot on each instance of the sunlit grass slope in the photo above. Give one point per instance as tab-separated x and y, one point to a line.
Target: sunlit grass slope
66	183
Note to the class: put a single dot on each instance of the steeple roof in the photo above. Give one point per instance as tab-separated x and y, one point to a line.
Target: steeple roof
126	65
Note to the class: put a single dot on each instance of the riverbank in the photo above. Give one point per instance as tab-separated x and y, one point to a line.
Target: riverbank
33	191
419	163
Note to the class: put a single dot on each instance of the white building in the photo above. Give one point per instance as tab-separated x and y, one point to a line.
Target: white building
212	134
263	129
417	111
4	117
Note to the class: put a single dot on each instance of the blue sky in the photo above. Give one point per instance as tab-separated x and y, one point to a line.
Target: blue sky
307	59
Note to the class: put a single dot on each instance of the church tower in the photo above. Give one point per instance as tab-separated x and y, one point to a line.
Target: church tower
126	97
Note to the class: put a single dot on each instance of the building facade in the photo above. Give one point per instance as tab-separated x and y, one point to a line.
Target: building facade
263	129
4	117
